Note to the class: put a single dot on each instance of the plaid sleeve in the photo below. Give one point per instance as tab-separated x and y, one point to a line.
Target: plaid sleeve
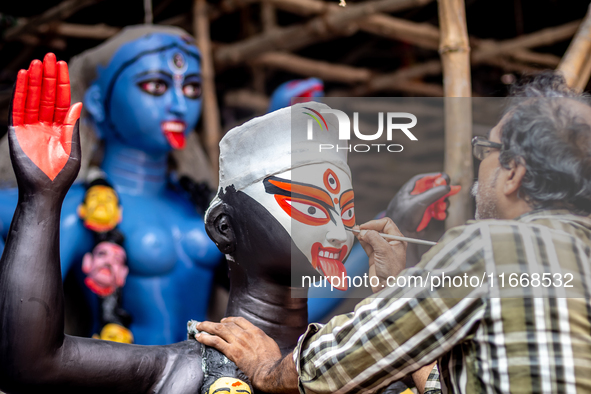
433	384
398	330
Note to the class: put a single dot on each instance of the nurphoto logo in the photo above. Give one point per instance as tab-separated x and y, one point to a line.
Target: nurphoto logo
345	130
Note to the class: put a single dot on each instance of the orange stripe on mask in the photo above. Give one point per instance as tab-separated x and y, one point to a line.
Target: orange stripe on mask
308	191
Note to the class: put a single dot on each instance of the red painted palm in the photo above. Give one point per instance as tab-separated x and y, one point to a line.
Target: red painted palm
42	119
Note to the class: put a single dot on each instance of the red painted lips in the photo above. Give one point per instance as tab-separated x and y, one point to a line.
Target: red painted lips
330	263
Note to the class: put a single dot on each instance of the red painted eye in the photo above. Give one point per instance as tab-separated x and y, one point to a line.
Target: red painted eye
303	211
155	87
348	216
348	208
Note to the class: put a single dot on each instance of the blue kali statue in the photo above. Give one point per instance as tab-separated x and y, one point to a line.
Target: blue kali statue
143	97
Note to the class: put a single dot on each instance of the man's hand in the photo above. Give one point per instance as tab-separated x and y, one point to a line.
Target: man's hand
386	258
255	353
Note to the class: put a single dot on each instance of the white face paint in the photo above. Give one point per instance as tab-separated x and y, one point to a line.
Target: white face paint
315	205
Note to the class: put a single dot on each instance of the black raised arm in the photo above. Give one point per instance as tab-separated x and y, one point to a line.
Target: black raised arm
35	355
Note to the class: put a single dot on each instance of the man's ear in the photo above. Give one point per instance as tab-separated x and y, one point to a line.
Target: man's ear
219	228
94	104
514	178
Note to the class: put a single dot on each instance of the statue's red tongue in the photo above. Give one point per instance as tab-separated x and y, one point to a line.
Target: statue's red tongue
174	131
335	271
176	140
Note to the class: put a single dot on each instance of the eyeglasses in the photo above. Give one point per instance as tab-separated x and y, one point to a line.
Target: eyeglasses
481	147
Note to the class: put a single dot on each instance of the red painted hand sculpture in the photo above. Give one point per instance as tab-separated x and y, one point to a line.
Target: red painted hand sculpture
419	200
44	125
438	208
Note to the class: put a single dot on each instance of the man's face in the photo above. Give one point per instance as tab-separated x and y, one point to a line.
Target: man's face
485	189
315	205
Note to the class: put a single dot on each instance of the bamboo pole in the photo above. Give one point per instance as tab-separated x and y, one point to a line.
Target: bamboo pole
584	77
398	82
454	48
416	88
313	68
259	103
178	20
211	117
389	81
247	99
575	65
298	36
548	36
269	23
427	36
268	16
161	7
423	35
392	81
148	14
303	7
402	80
31	40
60	12
527	56
455	58
420	34
508	66
228	6
97	32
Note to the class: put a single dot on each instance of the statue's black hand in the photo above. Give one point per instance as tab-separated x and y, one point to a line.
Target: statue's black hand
407	210
43	133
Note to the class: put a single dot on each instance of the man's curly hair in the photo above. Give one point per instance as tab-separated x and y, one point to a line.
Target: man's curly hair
548	136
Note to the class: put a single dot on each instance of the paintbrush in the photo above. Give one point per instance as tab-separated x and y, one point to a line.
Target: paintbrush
397	238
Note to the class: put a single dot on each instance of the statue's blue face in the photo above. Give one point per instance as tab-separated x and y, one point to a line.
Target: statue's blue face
156	100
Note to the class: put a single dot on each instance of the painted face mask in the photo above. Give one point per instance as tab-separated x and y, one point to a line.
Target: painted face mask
315	204
308	192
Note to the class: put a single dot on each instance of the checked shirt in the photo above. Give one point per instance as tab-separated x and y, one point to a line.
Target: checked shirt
489	337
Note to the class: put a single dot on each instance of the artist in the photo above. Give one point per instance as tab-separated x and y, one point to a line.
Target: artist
535	181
